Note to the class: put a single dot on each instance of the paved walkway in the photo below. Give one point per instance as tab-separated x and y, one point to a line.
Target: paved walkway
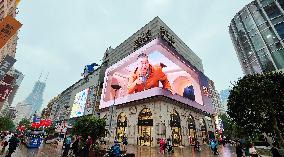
48	150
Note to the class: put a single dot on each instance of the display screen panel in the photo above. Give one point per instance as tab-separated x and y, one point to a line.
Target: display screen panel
151	71
79	104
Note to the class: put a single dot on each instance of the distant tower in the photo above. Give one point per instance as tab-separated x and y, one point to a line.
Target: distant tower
35	98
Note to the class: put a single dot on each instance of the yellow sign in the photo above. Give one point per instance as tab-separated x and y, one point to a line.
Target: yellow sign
8	27
17	2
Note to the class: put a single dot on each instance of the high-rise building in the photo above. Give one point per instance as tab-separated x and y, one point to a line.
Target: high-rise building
216	101
35	98
257	32
224	95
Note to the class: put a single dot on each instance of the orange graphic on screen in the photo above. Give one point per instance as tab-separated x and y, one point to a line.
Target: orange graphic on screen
147	76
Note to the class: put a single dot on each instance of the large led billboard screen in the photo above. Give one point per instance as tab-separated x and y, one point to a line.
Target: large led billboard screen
79	104
154	69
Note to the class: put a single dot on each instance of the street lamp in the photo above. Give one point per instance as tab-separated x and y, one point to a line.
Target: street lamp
116	87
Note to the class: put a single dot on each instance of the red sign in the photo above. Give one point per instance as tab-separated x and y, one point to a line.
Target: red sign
5	92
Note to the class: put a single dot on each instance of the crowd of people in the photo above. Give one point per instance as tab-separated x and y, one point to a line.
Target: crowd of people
11	140
243	150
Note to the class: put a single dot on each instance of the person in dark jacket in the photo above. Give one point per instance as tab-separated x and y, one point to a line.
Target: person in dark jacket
13	144
239	150
275	151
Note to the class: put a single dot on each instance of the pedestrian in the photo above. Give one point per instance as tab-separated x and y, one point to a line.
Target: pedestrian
274	150
6	141
13	144
161	145
76	146
170	146
67	144
115	149
252	151
124	143
239	150
87	147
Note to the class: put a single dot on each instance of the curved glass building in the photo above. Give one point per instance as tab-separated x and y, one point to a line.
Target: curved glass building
257	32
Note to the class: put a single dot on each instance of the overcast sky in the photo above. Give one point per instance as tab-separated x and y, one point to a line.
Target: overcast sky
62	36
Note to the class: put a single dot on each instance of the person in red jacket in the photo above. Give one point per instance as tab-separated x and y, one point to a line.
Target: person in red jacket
147	76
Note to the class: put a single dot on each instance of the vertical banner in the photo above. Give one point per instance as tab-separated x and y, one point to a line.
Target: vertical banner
5	92
6	65
8	27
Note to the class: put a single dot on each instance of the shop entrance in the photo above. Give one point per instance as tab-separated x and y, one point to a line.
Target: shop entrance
191	130
203	130
145	128
121	126
176	128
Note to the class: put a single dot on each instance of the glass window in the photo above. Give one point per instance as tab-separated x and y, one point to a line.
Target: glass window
264	26
262	52
252	32
278	57
269	36
244	14
258	18
281	3
249	24
280	29
252	7
277	20
266	2
266	64
275	46
238	24
255	67
272	11
257	42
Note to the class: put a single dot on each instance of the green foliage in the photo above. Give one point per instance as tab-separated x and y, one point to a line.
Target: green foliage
256	103
231	130
50	130
25	122
6	123
89	125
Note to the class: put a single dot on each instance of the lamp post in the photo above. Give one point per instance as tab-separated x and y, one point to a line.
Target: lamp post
116	87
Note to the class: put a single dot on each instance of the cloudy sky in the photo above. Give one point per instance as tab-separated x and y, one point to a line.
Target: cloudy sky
62	36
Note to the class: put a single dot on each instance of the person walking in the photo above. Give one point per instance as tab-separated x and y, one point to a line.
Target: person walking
67	143
274	150
239	150
252	151
6	141
87	147
13	144
76	146
124	143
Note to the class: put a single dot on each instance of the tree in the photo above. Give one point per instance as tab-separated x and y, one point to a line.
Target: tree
256	103
231	129
89	125
6	124
25	122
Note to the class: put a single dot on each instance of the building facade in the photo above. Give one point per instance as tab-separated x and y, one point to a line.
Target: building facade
146	116
216	101
257	32
8	7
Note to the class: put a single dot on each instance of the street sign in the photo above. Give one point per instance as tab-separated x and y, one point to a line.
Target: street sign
6	65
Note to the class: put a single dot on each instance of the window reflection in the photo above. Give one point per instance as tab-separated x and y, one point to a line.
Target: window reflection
257	42
280	29
258	18
269	36
278	57
272	11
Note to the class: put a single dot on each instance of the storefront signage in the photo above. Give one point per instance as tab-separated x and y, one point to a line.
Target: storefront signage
8	27
6	65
